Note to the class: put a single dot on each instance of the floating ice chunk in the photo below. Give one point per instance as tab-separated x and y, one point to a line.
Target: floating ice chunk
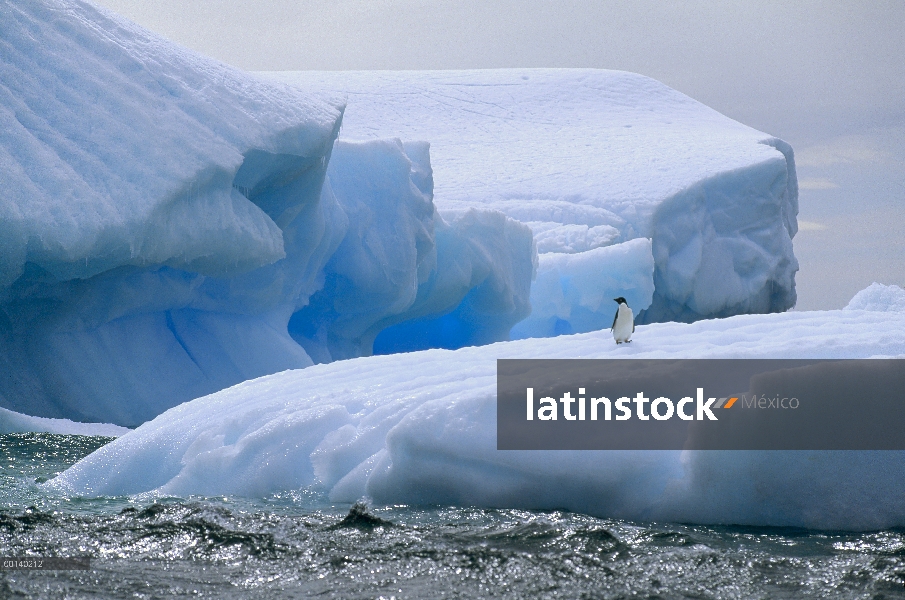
574	293
878	297
421	428
13	422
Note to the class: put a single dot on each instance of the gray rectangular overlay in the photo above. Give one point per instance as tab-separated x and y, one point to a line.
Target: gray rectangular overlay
697	404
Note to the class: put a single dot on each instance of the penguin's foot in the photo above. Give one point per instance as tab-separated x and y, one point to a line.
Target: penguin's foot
618	342
628	341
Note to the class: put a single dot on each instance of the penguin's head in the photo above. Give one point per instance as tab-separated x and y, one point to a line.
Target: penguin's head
621	300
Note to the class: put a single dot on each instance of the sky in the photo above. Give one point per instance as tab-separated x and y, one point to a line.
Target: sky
826	76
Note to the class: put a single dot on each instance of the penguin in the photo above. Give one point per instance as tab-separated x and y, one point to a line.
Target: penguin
623	323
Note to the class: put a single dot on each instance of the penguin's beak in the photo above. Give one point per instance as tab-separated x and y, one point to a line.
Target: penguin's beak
615	299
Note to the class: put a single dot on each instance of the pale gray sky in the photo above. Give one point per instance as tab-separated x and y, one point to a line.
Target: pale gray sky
826	76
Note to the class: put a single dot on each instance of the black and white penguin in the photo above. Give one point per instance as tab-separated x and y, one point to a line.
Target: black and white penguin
623	323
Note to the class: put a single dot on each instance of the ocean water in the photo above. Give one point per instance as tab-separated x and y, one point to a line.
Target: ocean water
299	545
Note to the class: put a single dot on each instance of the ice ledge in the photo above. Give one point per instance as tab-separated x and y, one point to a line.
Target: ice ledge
13	422
118	148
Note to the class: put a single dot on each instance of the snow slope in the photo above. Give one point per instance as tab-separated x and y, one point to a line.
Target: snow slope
421	428
163	218
591	158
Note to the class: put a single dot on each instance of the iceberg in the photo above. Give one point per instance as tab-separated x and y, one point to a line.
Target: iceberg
591	158
420	428
878	297
144	235
171	226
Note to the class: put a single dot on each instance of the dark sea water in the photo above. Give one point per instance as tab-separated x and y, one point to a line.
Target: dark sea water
298	545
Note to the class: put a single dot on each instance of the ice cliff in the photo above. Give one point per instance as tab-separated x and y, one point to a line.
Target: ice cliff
170	226
420	428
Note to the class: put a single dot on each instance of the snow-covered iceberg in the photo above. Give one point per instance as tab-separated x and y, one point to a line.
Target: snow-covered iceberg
141	221
421	428
170	226
592	158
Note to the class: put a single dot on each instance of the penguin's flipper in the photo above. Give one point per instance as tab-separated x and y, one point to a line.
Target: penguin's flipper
633	327
616	316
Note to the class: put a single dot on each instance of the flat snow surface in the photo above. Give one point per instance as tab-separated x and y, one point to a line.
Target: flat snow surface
583	146
421	428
